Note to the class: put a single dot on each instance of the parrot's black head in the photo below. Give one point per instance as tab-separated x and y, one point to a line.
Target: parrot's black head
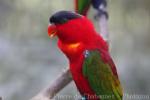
70	27
63	16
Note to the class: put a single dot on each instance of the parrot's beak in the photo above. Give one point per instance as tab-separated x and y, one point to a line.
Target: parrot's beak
52	30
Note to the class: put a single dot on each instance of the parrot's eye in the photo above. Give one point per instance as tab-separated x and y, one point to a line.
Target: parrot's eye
63	21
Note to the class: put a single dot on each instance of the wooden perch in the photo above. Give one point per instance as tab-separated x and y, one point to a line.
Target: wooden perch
65	78
49	92
103	25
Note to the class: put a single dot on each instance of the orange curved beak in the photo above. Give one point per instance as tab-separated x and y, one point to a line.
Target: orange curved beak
52	30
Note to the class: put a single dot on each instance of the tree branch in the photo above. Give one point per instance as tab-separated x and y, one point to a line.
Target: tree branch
103	25
65	78
49	92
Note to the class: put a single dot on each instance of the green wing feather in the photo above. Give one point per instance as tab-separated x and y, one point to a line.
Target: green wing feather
82	6
104	83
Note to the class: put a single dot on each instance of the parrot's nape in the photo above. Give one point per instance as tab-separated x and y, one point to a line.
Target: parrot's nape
91	66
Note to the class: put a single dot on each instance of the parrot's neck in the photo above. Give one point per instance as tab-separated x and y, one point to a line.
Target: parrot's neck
71	50
74	50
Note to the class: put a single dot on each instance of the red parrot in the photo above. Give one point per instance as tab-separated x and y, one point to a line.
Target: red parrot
91	66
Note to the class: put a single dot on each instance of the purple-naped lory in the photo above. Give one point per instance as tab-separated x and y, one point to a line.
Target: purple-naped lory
91	66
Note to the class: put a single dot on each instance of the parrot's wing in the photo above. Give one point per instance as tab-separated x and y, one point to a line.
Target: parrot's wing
82	6
98	70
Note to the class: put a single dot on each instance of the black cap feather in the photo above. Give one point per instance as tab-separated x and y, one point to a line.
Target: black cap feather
63	16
